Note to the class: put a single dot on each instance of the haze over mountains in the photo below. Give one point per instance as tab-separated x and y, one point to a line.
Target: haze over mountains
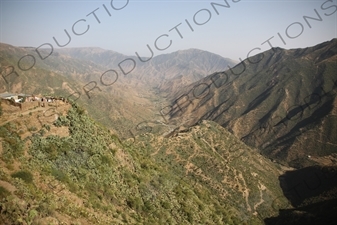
166	72
184	138
123	100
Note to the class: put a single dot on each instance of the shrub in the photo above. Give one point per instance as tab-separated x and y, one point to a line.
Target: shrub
106	160
42	132
62	121
32	129
80	110
24	175
46	126
59	175
12	145
134	203
4	192
148	206
165	204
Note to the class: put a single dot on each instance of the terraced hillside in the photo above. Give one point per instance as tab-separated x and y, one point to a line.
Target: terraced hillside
215	159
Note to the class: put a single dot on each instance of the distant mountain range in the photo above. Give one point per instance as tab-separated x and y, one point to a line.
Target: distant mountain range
128	100
282	102
166	72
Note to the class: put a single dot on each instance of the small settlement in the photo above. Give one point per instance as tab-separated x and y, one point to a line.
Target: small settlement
25	101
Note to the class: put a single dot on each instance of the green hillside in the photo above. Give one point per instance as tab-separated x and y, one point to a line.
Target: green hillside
75	171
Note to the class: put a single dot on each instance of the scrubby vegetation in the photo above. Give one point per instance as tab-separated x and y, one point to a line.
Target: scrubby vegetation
92	176
12	145
4	192
24	175
88	176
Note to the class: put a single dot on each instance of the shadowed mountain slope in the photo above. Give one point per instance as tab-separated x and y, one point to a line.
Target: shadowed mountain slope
313	191
280	101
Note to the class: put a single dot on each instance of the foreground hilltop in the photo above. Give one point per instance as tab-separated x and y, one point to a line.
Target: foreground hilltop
73	171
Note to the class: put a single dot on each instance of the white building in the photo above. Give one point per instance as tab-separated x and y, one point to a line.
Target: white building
16	97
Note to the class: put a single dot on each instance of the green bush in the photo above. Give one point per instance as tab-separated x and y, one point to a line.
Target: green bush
106	160
4	192
12	145
59	175
32	129
42	132
24	175
134	203
80	110
62	121
46	126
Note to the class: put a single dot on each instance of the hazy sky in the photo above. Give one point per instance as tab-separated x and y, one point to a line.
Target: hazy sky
239	28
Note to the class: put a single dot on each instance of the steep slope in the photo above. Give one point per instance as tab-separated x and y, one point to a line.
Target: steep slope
280	101
74	171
